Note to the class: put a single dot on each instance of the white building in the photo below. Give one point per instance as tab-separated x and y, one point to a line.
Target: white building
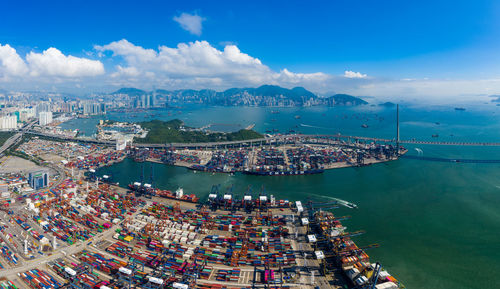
26	113
94	108
8	122
44	118
42	107
121	144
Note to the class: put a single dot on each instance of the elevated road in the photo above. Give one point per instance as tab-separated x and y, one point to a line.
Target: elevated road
10	142
270	140
16	137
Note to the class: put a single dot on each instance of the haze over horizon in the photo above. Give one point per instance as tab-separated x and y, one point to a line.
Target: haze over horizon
387	50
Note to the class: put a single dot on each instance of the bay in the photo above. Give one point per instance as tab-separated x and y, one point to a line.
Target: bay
437	223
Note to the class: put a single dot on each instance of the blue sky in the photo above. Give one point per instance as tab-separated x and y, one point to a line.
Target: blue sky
419	48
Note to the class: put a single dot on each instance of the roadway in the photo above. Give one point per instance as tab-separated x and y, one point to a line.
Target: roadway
10	142
16	138
269	140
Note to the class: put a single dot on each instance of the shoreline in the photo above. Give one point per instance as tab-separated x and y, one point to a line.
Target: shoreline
338	165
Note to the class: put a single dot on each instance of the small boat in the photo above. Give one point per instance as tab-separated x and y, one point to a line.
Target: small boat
364	125
435	135
459	108
297	117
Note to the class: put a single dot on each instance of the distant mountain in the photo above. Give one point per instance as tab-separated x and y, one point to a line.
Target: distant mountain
265	95
131	91
388	104
496	98
345	100
163	91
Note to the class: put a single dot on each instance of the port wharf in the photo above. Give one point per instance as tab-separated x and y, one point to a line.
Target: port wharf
294	157
299	158
106	237
89	234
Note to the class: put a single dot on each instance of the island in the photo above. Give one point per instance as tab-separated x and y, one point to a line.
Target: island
265	96
175	131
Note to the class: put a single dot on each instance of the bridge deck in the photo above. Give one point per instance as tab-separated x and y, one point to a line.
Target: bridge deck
269	140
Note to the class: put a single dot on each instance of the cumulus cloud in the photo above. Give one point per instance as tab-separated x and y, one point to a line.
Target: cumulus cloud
49	65
199	63
352	74
11	64
52	62
190	22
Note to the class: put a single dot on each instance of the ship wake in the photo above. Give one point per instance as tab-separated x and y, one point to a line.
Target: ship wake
339	201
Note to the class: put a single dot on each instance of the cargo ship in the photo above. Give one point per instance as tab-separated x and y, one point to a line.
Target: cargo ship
284	173
179	195
147	189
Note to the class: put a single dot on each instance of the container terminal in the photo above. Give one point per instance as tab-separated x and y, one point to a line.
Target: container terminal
293	157
77	231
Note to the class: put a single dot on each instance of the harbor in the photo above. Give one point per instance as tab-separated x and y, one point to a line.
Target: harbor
293	155
88	232
105	236
126	242
382	210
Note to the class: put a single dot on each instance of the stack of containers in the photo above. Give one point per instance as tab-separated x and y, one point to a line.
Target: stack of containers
6	284
8	255
228	275
101	263
39	279
119	249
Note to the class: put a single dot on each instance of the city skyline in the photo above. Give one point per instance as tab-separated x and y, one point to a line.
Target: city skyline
386	50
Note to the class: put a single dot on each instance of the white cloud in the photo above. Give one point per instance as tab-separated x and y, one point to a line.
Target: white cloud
430	90
198	63
11	64
53	62
352	74
190	22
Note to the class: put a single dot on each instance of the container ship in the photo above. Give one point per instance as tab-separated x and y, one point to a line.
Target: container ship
178	195
283	173
147	189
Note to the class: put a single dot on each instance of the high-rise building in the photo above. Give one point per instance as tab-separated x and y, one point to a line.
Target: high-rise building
38	179
152	101
26	113
8	122
94	108
42	107
67	107
44	118
143	101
